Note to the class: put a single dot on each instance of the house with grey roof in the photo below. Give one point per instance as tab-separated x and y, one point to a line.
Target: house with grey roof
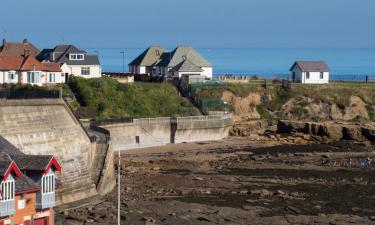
73	61
310	72
183	61
146	61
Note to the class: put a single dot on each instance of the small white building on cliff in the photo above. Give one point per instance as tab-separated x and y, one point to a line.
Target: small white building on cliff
310	72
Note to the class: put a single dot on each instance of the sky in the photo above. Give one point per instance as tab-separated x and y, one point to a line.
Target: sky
200	23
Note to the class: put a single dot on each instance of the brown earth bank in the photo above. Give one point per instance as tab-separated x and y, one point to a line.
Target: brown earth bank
241	180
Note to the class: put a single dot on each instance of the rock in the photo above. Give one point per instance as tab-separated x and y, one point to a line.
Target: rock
372	218
128	188
293	209
149	219
156	168
198	178
201	218
244	192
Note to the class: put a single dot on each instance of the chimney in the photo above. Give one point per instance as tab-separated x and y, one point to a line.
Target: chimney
25	41
26	52
4	42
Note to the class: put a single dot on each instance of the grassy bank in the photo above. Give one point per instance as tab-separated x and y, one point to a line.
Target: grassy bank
112	99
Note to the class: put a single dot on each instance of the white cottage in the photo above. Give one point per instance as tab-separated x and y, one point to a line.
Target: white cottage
310	72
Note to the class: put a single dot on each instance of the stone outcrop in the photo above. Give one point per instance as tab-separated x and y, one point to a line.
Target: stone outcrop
244	129
329	130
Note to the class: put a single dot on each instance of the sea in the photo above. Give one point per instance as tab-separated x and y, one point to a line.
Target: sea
345	63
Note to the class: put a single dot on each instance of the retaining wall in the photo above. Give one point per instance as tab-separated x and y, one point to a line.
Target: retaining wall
47	127
139	134
143	133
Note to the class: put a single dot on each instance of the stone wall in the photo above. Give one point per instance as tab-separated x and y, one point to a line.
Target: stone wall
46	126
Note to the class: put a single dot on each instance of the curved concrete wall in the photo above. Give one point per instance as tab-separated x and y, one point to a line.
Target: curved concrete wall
48	127
124	136
142	133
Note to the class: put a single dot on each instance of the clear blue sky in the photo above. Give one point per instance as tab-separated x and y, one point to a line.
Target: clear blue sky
201	23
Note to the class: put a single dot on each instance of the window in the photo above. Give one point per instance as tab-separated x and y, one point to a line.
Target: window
85	70
12	75
76	57
307	75
137	139
48	184
51	78
33	77
7	190
321	75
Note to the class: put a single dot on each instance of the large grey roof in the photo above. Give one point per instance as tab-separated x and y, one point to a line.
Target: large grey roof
25	184
182	53
149	57
5	162
311	66
7	148
61	53
32	162
187	66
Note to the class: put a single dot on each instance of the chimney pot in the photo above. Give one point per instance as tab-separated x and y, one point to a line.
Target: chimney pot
4	41
25	41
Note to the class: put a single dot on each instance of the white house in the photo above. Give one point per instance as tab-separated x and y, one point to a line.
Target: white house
181	62
310	72
25	69
73	61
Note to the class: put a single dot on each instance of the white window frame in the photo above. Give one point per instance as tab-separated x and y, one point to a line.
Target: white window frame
12	75
7	189
85	71
34	77
51	78
48	184
76	56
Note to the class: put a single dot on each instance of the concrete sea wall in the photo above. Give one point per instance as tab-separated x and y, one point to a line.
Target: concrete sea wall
47	126
141	133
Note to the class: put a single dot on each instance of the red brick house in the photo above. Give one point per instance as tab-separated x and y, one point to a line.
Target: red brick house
27	187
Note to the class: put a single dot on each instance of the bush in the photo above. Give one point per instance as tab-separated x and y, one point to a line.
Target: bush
115	100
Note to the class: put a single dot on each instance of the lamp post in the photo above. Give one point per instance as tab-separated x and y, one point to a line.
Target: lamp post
119	189
123	61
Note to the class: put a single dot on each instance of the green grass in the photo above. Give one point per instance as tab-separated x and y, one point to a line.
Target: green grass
115	100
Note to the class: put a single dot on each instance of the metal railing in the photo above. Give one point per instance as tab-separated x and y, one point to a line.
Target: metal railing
258	77
7	93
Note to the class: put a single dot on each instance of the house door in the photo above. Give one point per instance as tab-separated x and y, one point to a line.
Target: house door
41	221
1	222
27	222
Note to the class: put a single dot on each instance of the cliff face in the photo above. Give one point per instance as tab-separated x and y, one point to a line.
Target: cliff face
304	104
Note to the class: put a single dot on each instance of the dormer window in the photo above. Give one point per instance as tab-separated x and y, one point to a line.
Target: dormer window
48	184
7	190
76	57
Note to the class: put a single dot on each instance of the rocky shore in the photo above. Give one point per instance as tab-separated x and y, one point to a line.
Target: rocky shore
242	180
